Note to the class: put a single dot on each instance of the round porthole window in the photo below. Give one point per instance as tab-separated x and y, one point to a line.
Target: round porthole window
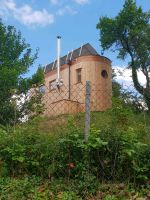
104	74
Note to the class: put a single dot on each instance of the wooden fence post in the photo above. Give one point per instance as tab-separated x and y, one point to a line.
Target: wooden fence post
87	111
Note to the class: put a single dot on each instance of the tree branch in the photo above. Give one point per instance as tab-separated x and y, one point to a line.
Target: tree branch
125	45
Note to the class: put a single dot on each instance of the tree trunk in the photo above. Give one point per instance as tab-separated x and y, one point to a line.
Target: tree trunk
146	95
145	92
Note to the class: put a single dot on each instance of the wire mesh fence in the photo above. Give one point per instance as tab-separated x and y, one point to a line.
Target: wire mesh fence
77	100
110	120
94	133
87	103
72	99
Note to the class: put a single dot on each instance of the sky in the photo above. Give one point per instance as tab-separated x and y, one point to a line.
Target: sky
41	21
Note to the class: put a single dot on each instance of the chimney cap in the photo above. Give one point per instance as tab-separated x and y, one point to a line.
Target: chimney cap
58	37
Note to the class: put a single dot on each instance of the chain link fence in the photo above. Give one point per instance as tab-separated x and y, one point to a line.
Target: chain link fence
88	101
102	114
76	100
96	137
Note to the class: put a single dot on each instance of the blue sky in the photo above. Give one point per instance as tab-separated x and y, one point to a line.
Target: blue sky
40	21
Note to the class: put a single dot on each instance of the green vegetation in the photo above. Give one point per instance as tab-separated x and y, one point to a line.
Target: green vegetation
128	34
48	158
37	163
15	59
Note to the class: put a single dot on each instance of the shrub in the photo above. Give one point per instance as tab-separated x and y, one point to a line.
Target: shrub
109	154
26	153
112	153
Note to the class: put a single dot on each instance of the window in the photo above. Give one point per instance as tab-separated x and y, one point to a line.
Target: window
52	85
104	74
78	72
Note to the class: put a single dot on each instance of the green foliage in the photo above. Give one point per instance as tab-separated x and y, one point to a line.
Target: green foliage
71	168
26	153
26	188
37	189
115	152
116	89
38	77
36	80
128	33
129	99
110	197
15	59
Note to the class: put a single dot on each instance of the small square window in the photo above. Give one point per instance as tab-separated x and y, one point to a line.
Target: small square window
78	72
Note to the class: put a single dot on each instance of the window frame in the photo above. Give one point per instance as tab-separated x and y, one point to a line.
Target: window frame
79	75
104	74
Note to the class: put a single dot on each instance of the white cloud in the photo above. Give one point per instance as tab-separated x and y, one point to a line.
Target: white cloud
9	4
124	76
26	14
66	9
81	2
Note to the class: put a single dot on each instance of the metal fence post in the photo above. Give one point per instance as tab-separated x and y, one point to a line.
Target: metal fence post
87	110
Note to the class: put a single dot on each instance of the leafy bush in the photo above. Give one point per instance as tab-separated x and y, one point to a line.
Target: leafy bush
26	153
111	153
115	152
26	188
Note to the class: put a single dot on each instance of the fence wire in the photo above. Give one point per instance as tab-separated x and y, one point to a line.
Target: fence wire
77	100
96	111
88	103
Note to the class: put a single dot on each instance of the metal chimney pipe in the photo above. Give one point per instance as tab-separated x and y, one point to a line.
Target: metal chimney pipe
58	59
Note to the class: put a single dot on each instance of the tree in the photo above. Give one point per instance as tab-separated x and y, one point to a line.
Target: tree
37	79
15	59
129	35
116	87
